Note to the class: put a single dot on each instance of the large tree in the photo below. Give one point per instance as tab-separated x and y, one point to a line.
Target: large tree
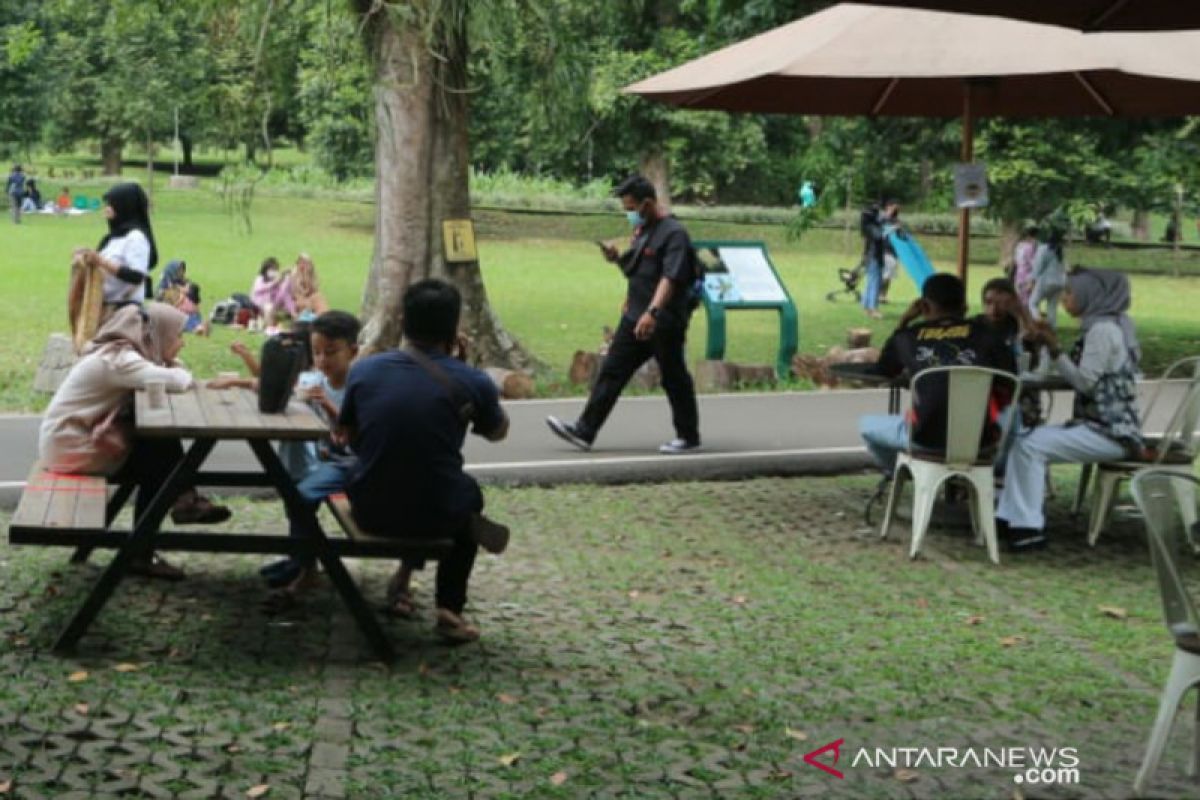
418	53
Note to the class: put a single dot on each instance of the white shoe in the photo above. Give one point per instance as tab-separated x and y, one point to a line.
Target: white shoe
678	446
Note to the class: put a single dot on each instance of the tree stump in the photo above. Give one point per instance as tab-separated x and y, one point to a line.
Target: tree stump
584	368
858	337
57	359
512	385
648	376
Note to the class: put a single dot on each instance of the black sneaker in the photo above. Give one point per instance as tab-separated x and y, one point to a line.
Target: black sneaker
568	432
1021	540
677	447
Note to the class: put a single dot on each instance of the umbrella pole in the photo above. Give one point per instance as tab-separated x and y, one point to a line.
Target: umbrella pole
967	156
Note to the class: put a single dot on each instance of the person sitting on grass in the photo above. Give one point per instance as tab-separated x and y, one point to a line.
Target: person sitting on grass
306	289
1102	369
87	428
944	338
272	293
176	290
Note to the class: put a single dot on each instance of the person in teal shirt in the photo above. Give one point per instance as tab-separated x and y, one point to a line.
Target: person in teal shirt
807	195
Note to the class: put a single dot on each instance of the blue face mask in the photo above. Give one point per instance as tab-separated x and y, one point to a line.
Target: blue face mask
635	218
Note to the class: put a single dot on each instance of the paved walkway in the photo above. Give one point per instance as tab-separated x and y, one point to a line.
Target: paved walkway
745	434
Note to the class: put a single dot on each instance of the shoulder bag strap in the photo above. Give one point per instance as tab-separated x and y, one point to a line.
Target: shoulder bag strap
458	396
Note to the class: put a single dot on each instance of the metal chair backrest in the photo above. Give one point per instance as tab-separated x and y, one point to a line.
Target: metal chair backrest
1180	432
1156	495
969	392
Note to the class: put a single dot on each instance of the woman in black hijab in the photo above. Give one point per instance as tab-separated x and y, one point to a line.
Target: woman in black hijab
127	252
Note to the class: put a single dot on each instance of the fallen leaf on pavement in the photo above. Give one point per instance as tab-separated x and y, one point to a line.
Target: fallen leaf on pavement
258	791
1116	612
509	759
76	677
558	778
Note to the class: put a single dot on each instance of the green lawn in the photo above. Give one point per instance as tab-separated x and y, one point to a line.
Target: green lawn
543	274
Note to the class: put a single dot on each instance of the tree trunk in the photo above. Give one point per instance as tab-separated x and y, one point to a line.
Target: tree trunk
421	168
1010	234
110	155
654	168
186	144
1141	225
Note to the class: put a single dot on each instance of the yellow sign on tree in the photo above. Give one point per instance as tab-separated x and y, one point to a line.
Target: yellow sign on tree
458	240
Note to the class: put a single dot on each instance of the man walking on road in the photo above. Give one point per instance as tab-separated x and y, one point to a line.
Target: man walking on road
661	270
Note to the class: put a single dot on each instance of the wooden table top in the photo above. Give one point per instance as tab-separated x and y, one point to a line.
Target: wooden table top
201	412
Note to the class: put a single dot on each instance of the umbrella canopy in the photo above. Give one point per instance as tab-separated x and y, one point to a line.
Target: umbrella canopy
1085	15
853	60
861	60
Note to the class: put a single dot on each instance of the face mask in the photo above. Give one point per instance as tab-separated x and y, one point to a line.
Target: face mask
635	218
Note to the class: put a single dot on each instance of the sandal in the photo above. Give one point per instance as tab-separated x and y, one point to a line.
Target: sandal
401	605
453	629
156	567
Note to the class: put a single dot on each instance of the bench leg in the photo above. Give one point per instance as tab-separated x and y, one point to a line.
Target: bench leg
338	574
140	541
119	498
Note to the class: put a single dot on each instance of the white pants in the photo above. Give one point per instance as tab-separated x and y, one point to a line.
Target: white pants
1049	293
1024	490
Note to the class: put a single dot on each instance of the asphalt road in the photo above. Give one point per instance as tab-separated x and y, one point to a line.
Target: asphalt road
744	434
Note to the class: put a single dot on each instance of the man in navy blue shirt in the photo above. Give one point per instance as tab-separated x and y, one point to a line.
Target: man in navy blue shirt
406	414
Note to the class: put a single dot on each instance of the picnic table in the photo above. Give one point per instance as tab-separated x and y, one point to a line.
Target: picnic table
77	511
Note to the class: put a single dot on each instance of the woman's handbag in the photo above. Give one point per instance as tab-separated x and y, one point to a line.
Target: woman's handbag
284	357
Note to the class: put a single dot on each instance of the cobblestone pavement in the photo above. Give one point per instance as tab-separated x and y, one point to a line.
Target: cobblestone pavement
682	640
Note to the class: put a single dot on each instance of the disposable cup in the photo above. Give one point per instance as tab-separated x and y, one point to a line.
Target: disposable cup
156	394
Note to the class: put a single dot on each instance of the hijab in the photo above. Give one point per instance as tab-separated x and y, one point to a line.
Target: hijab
150	331
131	211
1101	295
171	275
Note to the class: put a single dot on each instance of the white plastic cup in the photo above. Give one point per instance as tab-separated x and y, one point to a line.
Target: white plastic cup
156	394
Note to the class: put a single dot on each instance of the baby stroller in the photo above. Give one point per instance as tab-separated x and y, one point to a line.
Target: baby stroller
850	279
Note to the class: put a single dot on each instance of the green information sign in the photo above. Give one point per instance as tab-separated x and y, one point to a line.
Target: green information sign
740	276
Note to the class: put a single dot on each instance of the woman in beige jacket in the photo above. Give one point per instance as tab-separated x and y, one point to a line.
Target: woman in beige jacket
87	429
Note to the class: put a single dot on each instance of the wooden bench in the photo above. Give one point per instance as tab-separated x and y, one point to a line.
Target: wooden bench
367	545
62	510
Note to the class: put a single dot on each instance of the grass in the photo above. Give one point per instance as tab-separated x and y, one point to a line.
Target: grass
684	640
542	271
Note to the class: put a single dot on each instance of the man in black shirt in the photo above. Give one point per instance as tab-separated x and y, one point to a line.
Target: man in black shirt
943	339
660	268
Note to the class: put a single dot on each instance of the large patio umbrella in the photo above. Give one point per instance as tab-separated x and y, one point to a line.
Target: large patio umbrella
860	60
1085	15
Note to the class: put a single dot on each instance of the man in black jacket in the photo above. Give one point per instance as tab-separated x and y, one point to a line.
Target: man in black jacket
660	268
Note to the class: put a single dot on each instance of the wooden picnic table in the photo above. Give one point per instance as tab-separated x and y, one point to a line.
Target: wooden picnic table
205	416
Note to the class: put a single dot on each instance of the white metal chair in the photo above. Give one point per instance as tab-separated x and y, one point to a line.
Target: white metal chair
969	395
1162	496
1175	450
